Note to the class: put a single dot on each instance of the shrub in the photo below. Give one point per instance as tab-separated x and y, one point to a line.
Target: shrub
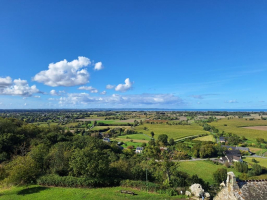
70	181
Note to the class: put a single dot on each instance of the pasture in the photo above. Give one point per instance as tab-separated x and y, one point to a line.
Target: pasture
136	137
206	138
36	192
204	169
173	131
260	161
237	125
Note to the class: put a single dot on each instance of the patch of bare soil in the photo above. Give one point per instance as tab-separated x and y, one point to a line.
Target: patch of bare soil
261	128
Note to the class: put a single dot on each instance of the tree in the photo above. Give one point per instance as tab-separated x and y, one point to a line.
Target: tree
171	141
152	134
89	162
220	175
163	138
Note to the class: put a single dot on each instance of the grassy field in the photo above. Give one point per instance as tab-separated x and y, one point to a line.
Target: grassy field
173	131
235	126
204	169
261	161
136	137
44	193
206	138
135	144
104	127
44	124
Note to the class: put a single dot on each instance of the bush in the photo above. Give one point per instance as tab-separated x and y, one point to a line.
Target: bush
70	181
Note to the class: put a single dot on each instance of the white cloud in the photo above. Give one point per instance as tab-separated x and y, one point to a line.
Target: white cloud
89	88
25	104
51	99
104	92
37	96
122	100
20	88
98	66
124	87
94	91
53	92
110	87
86	88
64	73
5	82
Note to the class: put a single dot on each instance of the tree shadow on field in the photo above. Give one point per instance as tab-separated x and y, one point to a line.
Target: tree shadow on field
31	190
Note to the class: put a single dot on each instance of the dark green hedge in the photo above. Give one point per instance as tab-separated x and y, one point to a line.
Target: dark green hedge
148	186
69	181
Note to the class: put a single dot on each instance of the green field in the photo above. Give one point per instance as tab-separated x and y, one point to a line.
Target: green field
135	137
44	193
44	124
261	161
135	144
206	138
235	126
173	131
204	169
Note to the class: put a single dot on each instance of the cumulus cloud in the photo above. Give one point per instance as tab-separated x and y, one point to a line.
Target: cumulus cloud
5	82
98	66
94	91
140	99
53	92
20	88
64	73
37	96
89	88
110	87
104	92
124	87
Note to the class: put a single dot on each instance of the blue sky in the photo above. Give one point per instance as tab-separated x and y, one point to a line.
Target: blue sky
153	54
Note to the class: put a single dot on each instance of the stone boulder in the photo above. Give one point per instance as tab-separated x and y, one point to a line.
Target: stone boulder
196	189
187	193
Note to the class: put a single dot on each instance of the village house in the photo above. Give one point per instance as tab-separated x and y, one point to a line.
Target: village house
139	149
246	149
222	139
106	140
231	156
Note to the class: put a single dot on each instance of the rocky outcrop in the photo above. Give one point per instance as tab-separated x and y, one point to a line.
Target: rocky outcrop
196	190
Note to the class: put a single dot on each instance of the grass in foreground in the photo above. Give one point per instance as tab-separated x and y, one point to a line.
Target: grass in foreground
35	192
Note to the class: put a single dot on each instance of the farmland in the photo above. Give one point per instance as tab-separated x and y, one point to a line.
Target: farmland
44	193
236	125
204	169
173	131
260	161
206	138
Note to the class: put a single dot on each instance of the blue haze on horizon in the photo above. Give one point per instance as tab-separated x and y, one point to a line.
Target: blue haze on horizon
133	54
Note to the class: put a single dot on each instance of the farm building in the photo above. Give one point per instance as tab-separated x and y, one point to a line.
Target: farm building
231	156
236	148
222	139
139	149
106	140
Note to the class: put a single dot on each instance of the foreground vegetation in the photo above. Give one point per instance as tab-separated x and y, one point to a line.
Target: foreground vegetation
36	192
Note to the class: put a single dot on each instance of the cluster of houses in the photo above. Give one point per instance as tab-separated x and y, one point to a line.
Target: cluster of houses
233	154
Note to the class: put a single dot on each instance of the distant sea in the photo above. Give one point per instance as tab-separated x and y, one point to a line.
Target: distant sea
140	109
